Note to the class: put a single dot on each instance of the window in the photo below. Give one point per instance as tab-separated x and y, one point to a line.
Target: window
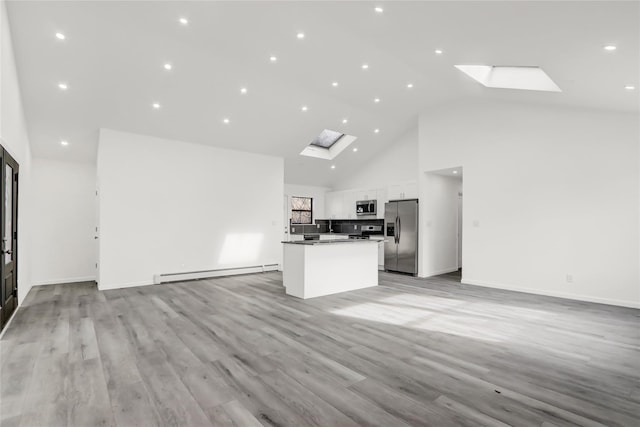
327	138
301	210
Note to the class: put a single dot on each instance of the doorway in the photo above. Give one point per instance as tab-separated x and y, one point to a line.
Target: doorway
442	222
8	236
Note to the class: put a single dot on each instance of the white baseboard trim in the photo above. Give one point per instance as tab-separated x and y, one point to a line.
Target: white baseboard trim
65	280
189	276
124	285
439	272
181	277
563	295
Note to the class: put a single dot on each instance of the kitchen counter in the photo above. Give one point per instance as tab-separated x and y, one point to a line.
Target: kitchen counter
328	242
314	268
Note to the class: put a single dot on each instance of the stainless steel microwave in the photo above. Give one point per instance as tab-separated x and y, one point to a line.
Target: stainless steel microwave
366	207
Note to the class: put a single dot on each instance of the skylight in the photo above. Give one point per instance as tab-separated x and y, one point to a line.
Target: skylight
327	138
328	145
509	77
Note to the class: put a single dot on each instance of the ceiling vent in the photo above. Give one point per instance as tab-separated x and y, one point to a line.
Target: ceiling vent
508	77
328	145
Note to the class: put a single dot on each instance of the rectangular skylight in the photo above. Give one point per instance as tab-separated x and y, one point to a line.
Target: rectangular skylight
327	138
328	145
509	77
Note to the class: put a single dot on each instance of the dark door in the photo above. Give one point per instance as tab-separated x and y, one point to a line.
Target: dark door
9	237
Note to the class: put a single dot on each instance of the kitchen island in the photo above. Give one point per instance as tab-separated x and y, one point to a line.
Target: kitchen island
314	268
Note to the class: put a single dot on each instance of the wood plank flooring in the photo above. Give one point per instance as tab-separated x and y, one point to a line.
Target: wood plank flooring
237	351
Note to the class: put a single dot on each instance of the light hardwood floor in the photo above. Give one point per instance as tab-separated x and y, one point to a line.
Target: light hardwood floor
239	352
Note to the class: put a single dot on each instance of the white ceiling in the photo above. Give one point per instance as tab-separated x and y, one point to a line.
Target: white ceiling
113	55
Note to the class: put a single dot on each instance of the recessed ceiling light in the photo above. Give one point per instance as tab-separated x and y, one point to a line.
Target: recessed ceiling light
243	90
273	58
333	166
379	9
376	100
225	121
334	84
355	149
60	36
63	86
409	85
610	47
455	171
155	105
64	143
376	131
344	120
168	66
365	66
629	87
300	35
438	51
183	21
304	108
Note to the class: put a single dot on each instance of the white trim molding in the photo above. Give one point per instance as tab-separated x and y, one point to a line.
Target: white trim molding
438	272
64	281
564	295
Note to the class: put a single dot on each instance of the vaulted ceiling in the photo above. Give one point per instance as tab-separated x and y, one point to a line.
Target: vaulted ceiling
113	55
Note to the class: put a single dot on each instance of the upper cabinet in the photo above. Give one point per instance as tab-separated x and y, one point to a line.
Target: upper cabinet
334	203
407	190
349	209
342	204
371	194
381	196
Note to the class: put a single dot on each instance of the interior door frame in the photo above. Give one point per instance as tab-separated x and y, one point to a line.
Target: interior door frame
7	310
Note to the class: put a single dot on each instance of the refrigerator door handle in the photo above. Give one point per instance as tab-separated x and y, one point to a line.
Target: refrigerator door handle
399	229
395	231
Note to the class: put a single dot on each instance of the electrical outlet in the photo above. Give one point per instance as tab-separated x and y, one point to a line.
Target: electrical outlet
476	223
569	278
355	226
293	229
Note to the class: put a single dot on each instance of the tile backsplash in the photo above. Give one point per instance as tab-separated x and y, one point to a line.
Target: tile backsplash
348	226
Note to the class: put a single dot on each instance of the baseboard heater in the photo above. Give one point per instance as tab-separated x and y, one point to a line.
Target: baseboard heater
203	274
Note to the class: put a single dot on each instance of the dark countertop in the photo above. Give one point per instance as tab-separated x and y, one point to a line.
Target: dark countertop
326	242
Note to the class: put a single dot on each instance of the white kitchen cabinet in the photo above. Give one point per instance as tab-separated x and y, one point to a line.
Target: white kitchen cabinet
395	192
411	190
349	205
381	197
407	190
334	205
370	194
380	251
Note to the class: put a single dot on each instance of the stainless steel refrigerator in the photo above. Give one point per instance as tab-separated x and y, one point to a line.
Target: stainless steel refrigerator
401	236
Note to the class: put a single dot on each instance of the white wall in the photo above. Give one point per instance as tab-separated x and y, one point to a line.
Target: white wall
439	212
63	249
317	193
398	163
552	192
15	139
169	206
